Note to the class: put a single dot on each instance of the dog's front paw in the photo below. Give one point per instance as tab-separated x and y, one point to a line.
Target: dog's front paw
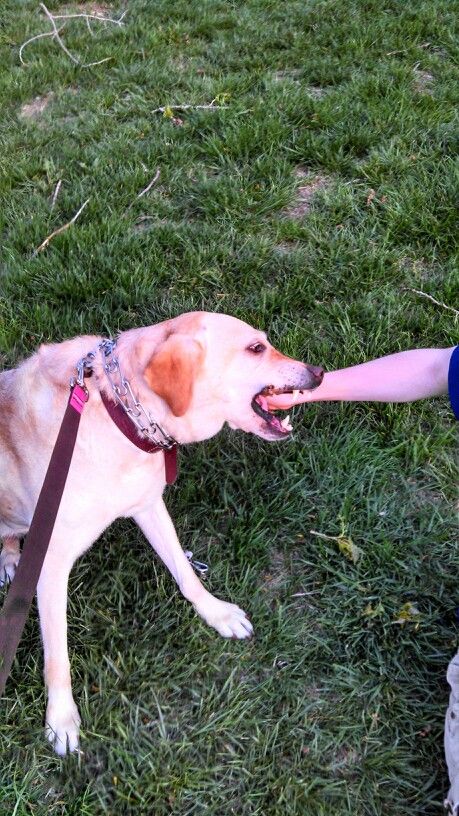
226	618
62	726
9	559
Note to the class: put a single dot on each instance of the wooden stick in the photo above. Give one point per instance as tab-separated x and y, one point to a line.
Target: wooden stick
55	33
37	37
91	17
152	182
45	243
190	107
56	193
57	37
322	535
432	299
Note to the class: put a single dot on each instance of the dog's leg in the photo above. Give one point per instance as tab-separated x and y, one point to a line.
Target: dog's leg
226	618
62	718
452	736
9	558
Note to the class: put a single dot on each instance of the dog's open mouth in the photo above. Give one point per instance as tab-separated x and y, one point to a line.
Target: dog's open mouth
260	405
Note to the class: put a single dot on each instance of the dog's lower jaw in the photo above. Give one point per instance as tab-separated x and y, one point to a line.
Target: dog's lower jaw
259	429
62	722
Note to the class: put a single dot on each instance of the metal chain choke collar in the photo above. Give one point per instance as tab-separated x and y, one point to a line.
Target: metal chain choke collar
124	394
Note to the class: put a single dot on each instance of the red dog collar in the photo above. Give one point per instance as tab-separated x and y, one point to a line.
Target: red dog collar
124	424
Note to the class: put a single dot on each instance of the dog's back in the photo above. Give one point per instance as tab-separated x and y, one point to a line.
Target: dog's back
13	513
32	400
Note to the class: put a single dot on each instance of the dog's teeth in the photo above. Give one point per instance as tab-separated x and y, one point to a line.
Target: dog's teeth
286	423
295	394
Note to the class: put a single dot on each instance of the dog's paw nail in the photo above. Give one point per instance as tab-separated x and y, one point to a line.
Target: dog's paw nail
62	730
8	564
228	619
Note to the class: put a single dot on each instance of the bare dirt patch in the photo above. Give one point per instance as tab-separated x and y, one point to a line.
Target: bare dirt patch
315	91
295	75
345	762
292	74
278	573
286	247
34	109
143	223
147	222
416	268
423	494
423	81
309	185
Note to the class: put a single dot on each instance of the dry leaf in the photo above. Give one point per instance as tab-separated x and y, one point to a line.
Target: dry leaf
409	612
371	195
349	549
345	544
371	611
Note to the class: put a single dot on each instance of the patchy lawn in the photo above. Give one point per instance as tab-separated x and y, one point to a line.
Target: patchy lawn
314	196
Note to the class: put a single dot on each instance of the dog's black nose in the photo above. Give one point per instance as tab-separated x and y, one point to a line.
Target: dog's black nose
317	373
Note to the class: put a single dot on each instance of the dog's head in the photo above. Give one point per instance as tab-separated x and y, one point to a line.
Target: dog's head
210	368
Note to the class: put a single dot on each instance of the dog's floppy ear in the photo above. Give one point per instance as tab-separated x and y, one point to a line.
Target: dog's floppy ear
172	370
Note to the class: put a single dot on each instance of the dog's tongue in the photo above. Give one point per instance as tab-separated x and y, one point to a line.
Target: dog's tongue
263	402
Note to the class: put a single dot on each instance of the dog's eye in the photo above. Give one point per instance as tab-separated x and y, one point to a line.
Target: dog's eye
256	348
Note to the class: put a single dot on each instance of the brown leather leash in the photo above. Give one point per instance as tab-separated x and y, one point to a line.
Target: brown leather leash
16	607
15	610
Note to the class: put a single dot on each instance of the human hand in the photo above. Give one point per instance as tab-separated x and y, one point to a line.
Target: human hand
282	402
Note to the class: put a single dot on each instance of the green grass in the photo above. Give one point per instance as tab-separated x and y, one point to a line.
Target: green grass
333	707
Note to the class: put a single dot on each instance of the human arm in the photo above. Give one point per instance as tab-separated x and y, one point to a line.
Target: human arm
401	377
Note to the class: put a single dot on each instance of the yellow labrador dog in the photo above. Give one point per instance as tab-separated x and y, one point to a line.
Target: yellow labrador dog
189	375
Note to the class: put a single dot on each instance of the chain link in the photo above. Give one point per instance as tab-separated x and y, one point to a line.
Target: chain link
124	394
84	368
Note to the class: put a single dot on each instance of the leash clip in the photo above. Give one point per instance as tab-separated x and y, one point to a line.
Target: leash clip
84	369
199	566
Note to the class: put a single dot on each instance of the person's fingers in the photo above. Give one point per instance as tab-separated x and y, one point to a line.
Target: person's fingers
282	402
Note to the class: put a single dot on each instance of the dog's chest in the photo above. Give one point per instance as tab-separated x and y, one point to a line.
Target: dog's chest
110	478
138	486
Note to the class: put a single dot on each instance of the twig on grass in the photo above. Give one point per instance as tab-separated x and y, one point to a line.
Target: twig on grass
145	190
303	594
323	535
57	36
432	299
88	26
56	32
404	50
56	193
152	182
167	109
98	17
64	227
36	37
